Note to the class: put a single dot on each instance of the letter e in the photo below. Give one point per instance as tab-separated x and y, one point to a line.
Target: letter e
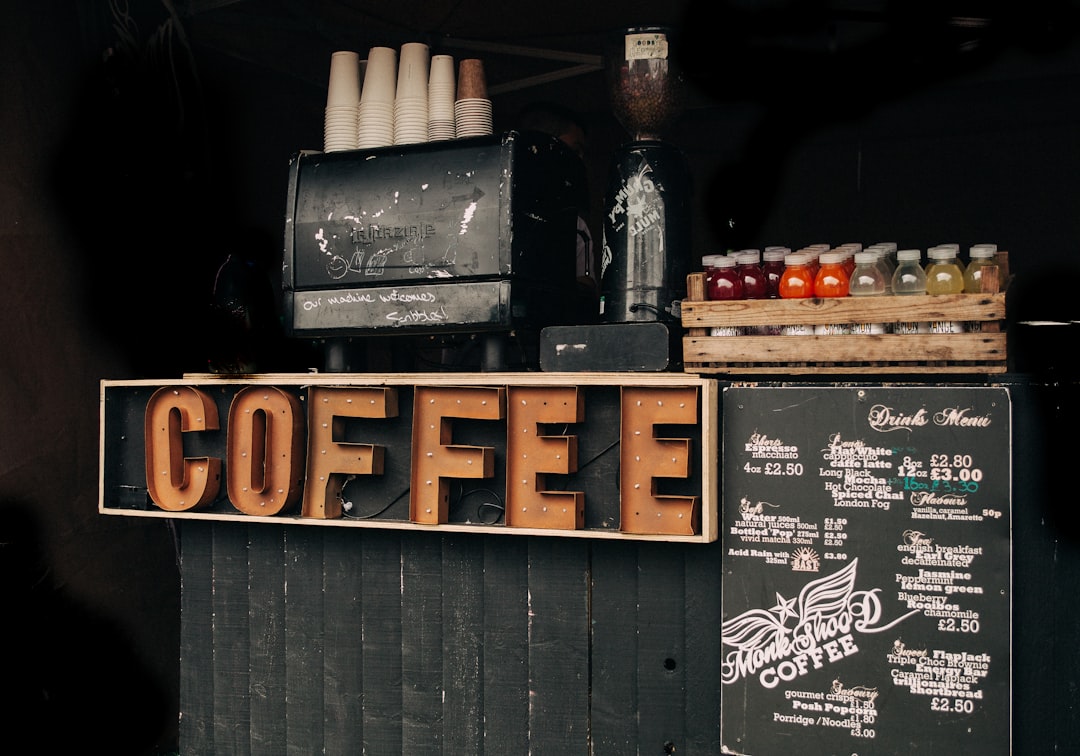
644	458
529	455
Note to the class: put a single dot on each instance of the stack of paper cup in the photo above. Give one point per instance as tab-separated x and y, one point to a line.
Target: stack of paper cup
411	102
375	123
342	100
441	94
472	108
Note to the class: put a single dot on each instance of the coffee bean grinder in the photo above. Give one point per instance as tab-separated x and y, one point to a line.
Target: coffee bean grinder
646	231
646	241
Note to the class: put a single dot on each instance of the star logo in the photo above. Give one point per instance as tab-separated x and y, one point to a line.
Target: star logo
784	608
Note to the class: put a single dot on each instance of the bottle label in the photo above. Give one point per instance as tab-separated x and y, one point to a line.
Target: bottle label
864	329
797	330
910	327
649	46
832	329
946	326
725	331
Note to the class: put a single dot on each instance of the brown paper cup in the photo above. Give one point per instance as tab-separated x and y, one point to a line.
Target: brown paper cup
471	82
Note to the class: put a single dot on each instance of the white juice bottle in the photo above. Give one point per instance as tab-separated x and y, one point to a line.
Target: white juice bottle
909	279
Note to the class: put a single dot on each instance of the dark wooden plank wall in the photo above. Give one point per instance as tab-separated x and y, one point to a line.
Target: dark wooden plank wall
308	639
544	645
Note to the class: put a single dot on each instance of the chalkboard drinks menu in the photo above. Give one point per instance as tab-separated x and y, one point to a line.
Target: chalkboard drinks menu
867	570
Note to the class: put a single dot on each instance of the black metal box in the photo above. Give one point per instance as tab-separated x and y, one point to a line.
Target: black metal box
473	234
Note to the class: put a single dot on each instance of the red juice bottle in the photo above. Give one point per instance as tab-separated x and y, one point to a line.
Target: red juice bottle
748	265
773	267
726	283
708	265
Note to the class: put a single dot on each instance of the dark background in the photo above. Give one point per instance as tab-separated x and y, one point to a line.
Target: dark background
144	142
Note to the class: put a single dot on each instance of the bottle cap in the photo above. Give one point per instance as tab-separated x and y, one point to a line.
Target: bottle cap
797	258
748	257
773	254
983	251
831	258
724	261
865	258
908	254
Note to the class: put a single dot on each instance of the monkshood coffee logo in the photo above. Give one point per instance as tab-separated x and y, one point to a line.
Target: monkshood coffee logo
883	418
824	619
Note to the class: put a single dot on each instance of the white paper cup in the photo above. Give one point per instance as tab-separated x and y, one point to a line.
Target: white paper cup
472	117
343	89
380	76
375	125
339	128
441	130
441	82
413	70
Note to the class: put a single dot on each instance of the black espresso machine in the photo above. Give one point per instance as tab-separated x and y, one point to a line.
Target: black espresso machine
441	255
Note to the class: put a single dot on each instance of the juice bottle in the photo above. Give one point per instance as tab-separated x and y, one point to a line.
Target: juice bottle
831	279
956	253
980	257
890	253
909	279
943	273
726	283
814	260
944	276
708	264
797	282
868	280
884	262
982	266
849	262
849	249
773	267
748	265
909	276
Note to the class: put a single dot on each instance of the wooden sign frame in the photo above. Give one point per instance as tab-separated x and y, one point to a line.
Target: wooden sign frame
631	456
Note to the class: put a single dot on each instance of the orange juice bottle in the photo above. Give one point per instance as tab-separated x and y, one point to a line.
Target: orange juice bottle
797	280
832	278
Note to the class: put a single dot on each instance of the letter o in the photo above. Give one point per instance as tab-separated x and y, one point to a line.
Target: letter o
264	458
787	670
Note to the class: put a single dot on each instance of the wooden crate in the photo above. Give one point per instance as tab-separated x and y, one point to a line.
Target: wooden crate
981	352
